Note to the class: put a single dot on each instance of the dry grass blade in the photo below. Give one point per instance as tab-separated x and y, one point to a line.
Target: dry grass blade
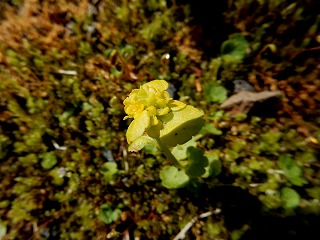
249	97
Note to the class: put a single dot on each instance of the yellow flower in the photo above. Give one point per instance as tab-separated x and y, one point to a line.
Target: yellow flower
133	109
154	112
151	94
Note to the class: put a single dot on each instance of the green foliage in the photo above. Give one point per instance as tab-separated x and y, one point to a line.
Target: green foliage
49	159
57	175
109	215
62	87
291	199
291	170
109	171
209	128
160	26
196	162
234	49
181	126
3	229
172	178
214	164
180	151
28	160
270	142
141	143
215	93
314	192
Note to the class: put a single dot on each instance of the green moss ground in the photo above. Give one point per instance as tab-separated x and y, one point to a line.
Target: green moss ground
66	67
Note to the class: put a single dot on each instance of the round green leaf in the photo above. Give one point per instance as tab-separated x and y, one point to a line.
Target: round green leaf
109	215
290	198
180	126
180	151
172	178
49	159
215	93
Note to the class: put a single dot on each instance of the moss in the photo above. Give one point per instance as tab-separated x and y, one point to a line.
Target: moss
67	66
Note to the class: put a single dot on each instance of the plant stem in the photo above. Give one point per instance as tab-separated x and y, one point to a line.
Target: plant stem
172	159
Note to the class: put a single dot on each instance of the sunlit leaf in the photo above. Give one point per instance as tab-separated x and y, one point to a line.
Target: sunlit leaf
180	151
181	125
172	178
290	198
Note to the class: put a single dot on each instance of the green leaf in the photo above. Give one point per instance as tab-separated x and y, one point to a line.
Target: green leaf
314	192
172	178
196	162
291	199
4	203
292	171
180	151
109	171
57	177
3	229
215	93
49	159
214	165
180	126
209	128
108	215
270	142
29	160
238	145
234	49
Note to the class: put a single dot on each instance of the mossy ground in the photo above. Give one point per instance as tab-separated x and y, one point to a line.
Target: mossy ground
66	67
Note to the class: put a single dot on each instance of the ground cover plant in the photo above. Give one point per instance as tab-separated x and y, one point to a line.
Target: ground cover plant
67	169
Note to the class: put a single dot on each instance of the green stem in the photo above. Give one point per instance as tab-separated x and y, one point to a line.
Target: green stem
172	159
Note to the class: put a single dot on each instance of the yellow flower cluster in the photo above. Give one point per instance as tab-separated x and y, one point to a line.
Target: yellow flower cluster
152	97
146	105
158	116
